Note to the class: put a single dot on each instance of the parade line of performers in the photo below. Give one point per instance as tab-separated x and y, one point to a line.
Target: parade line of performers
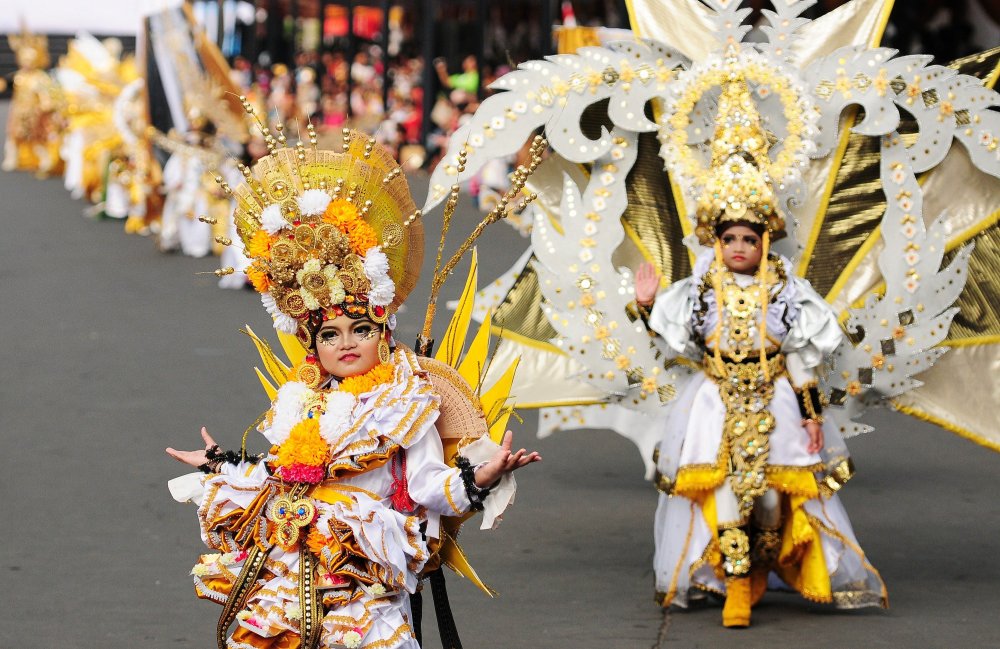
706	328
87	120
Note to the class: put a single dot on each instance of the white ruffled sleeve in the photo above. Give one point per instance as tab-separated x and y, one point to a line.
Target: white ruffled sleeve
233	488
671	317
432	483
439	488
814	334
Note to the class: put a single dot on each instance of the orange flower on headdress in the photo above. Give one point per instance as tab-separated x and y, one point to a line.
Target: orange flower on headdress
362	237
341	213
258	277
260	245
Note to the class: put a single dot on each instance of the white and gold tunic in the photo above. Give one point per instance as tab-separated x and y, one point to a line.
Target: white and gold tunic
732	458
373	552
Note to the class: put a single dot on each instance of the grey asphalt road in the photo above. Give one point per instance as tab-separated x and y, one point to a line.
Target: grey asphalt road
111	351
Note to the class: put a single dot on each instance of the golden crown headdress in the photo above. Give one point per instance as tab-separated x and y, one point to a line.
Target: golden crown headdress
744	177
737	186
328	233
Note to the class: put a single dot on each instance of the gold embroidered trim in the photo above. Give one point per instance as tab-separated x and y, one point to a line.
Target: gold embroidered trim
447	494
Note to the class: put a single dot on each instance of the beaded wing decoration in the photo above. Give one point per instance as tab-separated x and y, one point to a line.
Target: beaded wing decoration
857	147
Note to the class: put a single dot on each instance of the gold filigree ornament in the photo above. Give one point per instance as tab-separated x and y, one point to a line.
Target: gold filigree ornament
735	547
746	391
739	182
289	517
328	233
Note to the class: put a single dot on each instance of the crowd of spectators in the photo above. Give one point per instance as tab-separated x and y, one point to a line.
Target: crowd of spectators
383	92
373	93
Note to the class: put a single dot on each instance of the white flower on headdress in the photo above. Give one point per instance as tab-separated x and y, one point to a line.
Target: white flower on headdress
382	293
313	202
282	321
272	220
376	266
309	299
312	266
376	263
334	284
336	418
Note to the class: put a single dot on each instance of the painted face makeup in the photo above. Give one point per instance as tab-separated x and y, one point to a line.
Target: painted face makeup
347	347
741	249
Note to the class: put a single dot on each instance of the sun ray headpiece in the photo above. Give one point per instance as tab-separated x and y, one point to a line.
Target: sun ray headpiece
329	233
740	182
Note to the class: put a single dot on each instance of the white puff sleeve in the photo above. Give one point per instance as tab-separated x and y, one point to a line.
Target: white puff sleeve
671	317
814	334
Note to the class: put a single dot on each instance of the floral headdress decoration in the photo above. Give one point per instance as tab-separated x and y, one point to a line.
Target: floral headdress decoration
328	233
737	186
739	183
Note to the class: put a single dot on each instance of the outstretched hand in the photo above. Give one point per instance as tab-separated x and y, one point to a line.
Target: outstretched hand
647	282
503	462
194	458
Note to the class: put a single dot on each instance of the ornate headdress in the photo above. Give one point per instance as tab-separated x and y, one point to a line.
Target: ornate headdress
32	50
328	233
740	182
737	186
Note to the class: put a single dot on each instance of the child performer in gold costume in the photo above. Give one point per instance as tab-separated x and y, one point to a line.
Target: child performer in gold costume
33	125
743	440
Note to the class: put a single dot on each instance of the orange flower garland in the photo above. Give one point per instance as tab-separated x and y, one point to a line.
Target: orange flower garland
304	454
357	385
260	245
304	446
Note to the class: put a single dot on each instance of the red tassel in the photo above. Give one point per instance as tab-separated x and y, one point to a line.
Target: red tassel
401	500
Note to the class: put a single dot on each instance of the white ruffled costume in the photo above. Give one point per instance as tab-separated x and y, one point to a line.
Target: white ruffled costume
817	542
397	415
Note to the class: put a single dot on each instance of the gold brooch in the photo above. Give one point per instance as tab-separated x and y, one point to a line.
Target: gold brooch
290	516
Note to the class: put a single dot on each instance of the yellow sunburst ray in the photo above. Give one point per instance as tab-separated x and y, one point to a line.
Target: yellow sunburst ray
453	557
275	368
269	388
295	352
473	365
494	402
454	337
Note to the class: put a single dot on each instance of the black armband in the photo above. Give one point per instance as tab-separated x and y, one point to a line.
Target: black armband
810	406
217	457
477	495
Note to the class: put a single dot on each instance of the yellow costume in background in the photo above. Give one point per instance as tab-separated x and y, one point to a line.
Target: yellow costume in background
92	76
34	122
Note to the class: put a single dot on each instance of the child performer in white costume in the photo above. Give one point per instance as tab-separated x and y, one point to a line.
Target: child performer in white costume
322	539
742	508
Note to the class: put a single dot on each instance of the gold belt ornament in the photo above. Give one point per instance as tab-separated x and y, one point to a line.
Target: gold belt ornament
746	392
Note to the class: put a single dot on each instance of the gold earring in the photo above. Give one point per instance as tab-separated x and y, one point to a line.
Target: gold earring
383	351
